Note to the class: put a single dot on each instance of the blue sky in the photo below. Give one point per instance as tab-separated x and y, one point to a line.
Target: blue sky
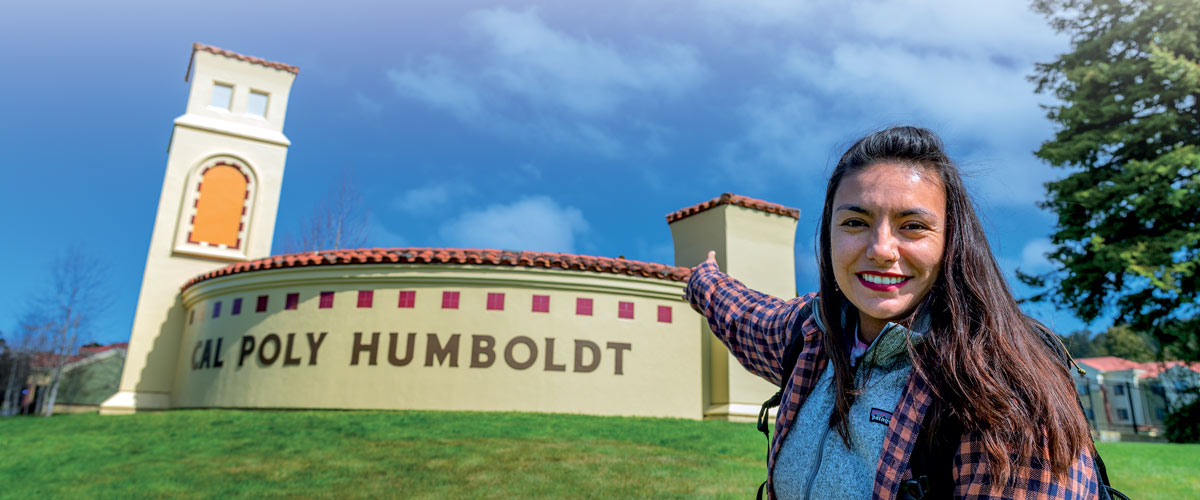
566	126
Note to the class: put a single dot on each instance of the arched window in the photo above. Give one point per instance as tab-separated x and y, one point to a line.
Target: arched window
218	207
222	195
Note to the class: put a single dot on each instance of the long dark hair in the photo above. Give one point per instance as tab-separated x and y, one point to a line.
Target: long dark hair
985	361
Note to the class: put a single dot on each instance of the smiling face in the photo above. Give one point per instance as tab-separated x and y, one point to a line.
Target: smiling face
887	237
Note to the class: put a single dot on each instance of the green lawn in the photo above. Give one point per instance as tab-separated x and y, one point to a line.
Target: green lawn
418	454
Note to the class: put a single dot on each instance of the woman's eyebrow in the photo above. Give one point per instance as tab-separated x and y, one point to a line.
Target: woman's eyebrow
917	211
853	208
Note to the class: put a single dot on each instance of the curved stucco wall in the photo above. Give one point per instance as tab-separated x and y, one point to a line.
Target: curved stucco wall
649	365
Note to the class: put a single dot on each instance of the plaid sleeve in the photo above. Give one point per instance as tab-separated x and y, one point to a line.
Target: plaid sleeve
753	325
1030	480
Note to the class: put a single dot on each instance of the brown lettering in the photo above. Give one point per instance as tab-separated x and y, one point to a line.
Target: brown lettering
262	349
195	351
408	355
550	366
580	366
288	360
371	348
619	349
217	363
434	348
482	345
508	353
247	348
313	345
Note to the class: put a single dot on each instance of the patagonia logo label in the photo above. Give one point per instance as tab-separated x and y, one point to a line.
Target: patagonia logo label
880	417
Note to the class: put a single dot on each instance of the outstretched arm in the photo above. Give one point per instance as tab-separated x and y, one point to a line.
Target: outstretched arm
754	326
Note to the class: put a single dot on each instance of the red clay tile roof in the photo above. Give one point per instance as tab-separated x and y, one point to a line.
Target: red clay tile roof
1152	369
733	199
231	54
485	257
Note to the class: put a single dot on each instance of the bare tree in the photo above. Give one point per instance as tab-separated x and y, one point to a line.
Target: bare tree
76	296
338	221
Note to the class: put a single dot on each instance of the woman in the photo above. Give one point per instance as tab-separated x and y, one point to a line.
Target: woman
913	332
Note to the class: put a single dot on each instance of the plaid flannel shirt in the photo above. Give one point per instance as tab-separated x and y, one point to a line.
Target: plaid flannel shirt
757	327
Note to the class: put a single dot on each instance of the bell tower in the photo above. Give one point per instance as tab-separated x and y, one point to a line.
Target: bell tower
219	197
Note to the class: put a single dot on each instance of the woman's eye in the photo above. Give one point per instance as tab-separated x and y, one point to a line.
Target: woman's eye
916	226
854	223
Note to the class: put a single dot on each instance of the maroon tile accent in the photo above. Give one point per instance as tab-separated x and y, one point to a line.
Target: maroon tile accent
541	303
293	300
326	301
495	301
733	199
664	314
455	256
262	304
216	309
625	310
237	307
408	299
583	307
449	300
366	298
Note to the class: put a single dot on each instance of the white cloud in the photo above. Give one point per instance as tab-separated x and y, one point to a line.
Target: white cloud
535	223
954	67
435	82
529	80
379	235
430	198
367	105
582	75
1033	256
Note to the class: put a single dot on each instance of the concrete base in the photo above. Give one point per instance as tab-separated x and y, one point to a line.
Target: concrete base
735	412
126	402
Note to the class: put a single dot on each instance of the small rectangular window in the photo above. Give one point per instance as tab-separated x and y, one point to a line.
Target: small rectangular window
1119	390
625	310
664	314
583	307
262	304
408	299
541	303
217	309
366	298
495	302
1122	414
191	316
326	300
257	105
222	96
237	307
449	300
293	300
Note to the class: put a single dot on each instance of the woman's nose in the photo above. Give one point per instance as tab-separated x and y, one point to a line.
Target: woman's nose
884	247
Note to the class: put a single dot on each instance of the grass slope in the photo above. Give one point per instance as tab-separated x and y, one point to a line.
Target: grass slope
202	454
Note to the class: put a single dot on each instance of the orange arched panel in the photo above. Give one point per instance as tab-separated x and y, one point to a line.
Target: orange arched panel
219	207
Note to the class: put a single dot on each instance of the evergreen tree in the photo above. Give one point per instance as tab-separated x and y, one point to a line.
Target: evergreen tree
1128	232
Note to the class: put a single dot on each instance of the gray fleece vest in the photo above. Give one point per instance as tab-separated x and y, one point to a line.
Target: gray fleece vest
813	461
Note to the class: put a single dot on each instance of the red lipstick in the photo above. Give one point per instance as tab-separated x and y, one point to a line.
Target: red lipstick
881	287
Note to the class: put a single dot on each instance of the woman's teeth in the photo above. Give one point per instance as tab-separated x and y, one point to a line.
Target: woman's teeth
882	280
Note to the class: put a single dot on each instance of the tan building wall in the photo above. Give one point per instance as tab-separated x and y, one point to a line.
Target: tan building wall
206	136
754	241
193	350
649	365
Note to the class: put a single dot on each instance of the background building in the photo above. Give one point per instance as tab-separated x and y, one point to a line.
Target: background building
1129	400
